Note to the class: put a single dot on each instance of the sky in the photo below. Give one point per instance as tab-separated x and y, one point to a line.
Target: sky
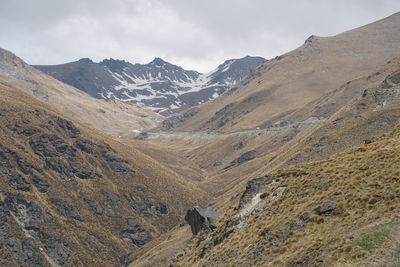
194	34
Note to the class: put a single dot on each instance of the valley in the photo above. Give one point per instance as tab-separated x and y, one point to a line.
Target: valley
297	154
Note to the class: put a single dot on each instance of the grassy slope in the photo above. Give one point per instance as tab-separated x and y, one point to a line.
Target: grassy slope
299	77
102	232
284	228
361	118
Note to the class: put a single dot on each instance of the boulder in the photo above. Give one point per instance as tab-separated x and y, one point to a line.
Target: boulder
239	146
249	155
142	136
201	219
68	126
369	141
326	209
134	233
66	209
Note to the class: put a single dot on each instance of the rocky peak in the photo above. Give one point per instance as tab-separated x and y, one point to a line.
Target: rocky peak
9	59
158	85
310	39
85	60
115	65
158	62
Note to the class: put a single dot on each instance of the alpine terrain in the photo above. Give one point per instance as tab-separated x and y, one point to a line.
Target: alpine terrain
291	161
159	86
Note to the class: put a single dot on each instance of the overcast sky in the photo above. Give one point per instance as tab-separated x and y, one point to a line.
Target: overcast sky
195	34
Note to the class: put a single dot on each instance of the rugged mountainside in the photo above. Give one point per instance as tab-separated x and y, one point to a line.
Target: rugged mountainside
342	211
72	196
319	129
302	134
313	118
158	85
374	110
281	86
112	117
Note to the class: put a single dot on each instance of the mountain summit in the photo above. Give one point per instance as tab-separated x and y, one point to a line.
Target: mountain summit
158	85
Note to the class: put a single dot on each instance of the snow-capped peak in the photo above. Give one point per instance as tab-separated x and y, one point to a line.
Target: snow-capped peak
158	85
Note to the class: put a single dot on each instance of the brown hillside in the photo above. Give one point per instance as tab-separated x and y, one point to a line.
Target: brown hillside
342	211
292	80
71	196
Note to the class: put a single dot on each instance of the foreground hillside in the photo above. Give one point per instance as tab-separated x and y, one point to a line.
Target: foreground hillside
374	110
71	196
343	210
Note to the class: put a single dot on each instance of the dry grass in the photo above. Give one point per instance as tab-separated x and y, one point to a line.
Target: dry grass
97	237
363	183
299	77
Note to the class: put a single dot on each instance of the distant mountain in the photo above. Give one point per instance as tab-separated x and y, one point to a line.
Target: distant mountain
158	85
112	117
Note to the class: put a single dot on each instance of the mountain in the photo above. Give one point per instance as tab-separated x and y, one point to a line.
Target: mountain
289	82
71	195
291	111
272	112
299	159
112	117
160	86
362	120
338	211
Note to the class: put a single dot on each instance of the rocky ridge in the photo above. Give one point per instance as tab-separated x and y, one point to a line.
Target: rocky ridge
158	85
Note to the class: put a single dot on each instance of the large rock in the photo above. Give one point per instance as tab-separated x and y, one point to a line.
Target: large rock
326	209
201	219
246	156
249	155
134	233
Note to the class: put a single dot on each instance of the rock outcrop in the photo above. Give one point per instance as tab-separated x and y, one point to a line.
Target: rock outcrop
201	219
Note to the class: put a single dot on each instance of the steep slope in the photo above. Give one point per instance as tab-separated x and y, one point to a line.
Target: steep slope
112	117
337	212
360	111
70	195
374	111
158	85
293	80
309	133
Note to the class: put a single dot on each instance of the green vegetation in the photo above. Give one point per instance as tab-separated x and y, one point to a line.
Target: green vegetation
374	239
377	236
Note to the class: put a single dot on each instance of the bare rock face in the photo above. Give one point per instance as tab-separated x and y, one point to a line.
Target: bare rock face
201	219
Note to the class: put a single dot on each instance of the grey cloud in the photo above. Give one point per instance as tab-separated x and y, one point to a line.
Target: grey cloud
195	34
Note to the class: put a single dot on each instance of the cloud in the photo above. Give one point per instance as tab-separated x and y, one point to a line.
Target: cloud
195	34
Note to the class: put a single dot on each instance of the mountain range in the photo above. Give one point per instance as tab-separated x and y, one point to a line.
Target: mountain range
159	86
295	161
